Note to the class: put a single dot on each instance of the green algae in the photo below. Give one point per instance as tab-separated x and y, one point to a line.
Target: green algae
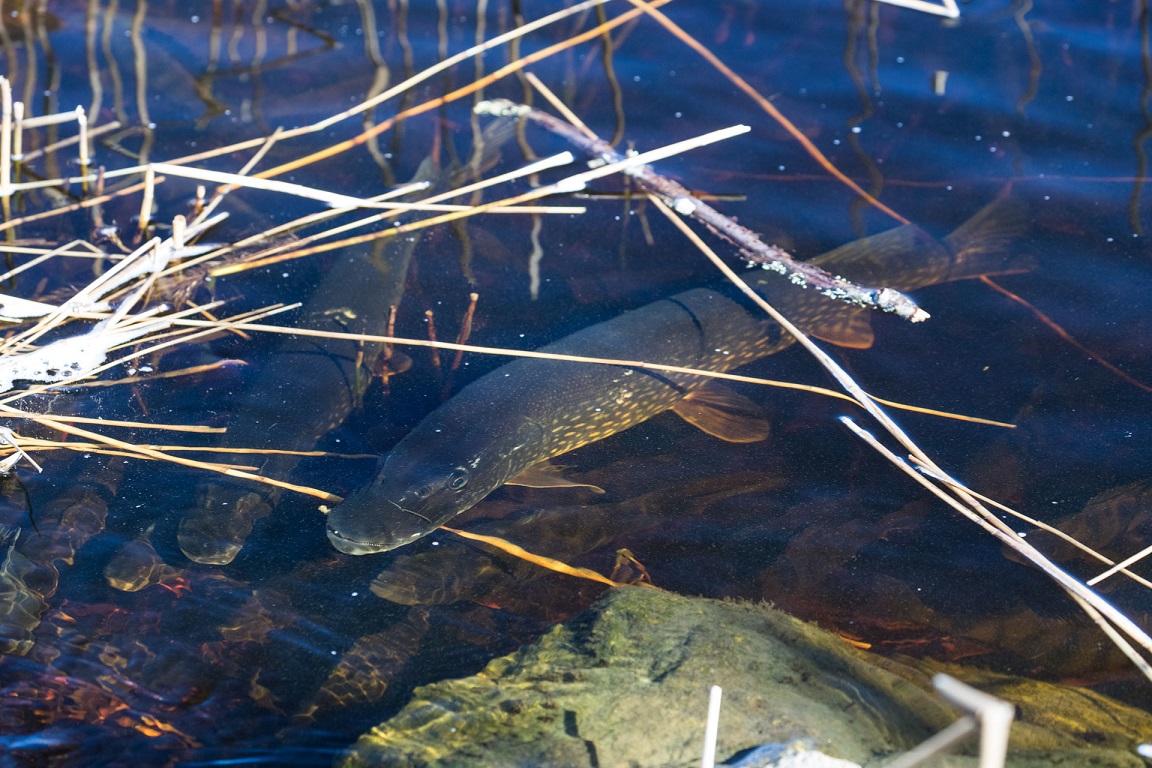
625	684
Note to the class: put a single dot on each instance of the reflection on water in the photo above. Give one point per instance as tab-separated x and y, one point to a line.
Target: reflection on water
268	646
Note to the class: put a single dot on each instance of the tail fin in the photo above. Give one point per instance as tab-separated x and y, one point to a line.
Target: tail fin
907	258
986	243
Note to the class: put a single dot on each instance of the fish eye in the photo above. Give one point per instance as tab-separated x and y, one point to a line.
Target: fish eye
458	479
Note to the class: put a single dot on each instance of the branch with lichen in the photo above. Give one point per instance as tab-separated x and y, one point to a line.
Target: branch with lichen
684	202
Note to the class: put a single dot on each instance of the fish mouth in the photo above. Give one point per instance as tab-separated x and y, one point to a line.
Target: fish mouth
353	547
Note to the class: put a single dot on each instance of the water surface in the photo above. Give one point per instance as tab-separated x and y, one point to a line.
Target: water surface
285	655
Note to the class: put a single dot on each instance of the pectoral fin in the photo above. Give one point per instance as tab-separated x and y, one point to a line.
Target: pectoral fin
850	328
722	413
545	475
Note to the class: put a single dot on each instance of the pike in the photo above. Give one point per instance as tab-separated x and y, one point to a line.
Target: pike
505	426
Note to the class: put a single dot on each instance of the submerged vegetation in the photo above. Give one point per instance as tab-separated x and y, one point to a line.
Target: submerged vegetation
254	295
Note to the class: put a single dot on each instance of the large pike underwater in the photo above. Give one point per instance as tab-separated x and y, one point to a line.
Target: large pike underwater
505	426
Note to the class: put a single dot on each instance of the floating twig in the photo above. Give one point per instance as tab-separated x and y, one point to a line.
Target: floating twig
686	204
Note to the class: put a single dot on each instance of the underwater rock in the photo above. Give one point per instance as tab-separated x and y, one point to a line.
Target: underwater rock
367	669
626	684
138	565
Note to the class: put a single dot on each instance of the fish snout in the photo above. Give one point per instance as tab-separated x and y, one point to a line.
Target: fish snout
352	546
360	525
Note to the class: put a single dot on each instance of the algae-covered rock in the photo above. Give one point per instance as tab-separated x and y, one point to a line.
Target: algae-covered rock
626	684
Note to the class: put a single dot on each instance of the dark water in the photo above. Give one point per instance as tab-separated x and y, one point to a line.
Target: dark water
284	656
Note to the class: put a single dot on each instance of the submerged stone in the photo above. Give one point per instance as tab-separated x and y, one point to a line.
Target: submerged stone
626	684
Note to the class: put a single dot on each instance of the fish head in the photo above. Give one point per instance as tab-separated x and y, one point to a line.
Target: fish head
397	508
430	477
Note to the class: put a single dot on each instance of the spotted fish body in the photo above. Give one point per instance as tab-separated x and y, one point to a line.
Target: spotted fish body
532	409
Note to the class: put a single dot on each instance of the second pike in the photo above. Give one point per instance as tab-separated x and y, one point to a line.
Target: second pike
503	426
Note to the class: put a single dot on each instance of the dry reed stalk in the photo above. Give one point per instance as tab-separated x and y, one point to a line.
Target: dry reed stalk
684	202
1106	616
222	325
42	444
190	371
82	139
1063	334
564	186
147	199
63	250
1042	526
18	132
56	146
291	226
15	413
410	83
949	10
1122	567
543	561
223	469
401	341
467	90
264	258
87	203
205	210
5	139
402	87
181	339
